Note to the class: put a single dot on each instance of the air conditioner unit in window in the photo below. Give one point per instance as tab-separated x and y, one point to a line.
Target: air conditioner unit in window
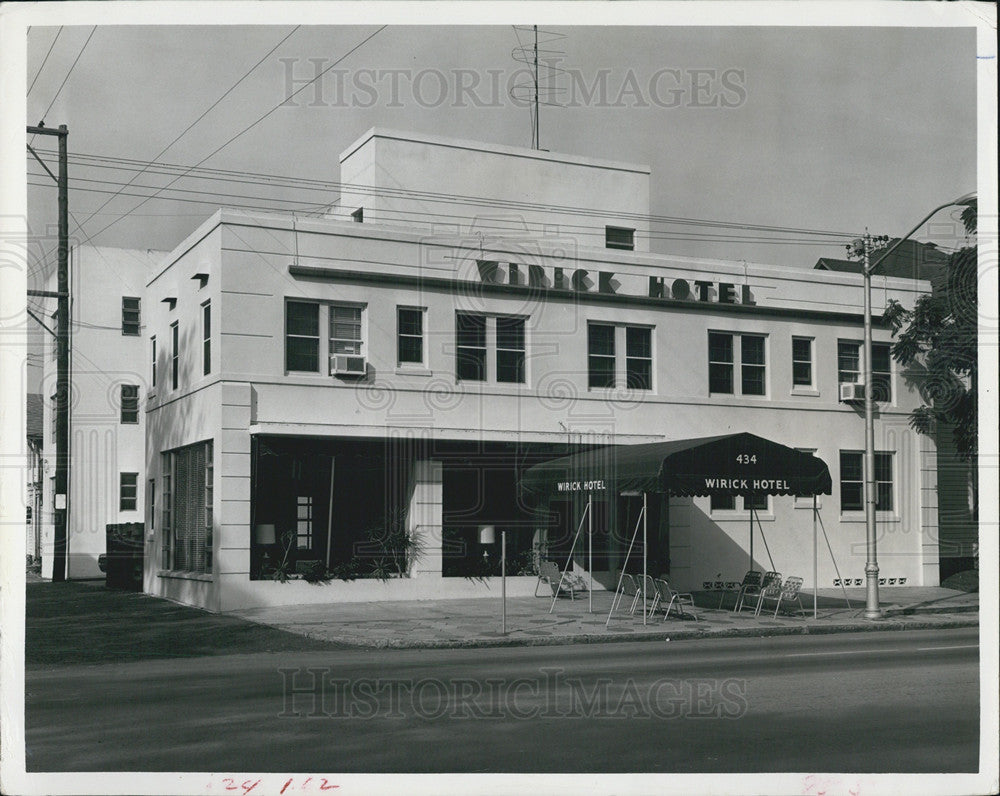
852	391
347	365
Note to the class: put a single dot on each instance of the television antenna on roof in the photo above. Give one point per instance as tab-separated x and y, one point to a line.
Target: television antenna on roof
541	89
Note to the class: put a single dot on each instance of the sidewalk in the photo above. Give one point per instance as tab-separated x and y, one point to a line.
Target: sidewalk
477	622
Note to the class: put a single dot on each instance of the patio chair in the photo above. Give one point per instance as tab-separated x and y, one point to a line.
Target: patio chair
751	578
671	597
769	579
568	583
750	587
782	593
652	592
627	588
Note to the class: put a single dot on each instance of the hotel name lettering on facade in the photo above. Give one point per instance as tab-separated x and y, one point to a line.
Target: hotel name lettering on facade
580	280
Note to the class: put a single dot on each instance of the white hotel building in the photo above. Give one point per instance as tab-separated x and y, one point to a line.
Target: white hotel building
468	310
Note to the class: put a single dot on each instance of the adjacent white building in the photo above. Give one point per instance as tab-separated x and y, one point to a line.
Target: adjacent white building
107	418
313	386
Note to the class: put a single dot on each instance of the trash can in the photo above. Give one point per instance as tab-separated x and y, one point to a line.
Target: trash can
123	560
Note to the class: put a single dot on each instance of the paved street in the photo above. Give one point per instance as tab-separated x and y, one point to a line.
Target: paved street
865	702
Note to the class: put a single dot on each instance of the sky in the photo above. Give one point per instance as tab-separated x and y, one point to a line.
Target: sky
824	129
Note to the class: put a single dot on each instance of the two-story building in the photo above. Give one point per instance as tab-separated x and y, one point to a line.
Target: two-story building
319	389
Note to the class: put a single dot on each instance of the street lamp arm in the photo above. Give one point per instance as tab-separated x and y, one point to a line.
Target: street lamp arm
962	200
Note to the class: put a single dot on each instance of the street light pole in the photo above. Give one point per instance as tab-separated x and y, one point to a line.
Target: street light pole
872	609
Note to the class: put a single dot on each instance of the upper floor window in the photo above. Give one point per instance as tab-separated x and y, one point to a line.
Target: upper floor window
175	355
345	329
409	335
724	357
152	375
130	316
129	403
852	482
206	337
128	489
302	336
358	215
604	340
850	362
619	238
802	362
728	502
475	335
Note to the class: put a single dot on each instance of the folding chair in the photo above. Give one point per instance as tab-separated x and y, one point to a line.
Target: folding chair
751	578
782	592
560	583
628	588
749	588
671	598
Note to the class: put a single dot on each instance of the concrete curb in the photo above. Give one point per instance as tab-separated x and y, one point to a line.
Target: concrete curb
676	634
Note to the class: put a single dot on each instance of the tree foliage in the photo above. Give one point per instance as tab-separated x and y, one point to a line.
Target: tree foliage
937	341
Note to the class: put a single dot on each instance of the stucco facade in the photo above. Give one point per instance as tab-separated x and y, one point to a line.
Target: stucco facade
256	272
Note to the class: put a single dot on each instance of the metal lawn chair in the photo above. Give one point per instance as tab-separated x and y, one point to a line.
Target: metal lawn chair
751	578
782	593
749	588
670	597
768	580
558	581
627	588
653	596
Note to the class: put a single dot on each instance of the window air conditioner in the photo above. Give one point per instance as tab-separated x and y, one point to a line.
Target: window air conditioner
852	391
345	365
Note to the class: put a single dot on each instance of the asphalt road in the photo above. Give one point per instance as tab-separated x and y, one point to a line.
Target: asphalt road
856	702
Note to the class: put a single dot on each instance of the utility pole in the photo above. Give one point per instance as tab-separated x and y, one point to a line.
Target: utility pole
61	506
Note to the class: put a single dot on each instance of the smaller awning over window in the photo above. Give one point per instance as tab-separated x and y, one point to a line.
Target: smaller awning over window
734	464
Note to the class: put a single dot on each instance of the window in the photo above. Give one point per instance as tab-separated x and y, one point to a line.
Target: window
304	522
345	332
302	336
409	335
476	335
129	403
358	215
722	363
188	490
174	355
849	367
128	488
802	373
166	474
206	337
130	316
852	486
151	489
470	333
603	340
152	341
638	358
728	502
510	350
600	355
752	362
619	238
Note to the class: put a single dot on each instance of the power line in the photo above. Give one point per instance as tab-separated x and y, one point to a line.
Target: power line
251	125
323	185
192	124
44	61
59	90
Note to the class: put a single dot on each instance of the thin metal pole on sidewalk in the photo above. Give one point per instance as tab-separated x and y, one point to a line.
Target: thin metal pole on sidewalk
590	553
815	561
503	581
645	578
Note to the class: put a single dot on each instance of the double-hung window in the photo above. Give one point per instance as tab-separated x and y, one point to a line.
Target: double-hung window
849	367
152	342
477	335
604	370
302	336
175	342
726	359
409	336
206	338
852	481
728	502
345	330
802	362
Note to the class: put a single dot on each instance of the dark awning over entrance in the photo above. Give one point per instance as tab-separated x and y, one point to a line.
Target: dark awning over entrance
734	464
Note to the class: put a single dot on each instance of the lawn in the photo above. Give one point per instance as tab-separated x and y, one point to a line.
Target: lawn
75	622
